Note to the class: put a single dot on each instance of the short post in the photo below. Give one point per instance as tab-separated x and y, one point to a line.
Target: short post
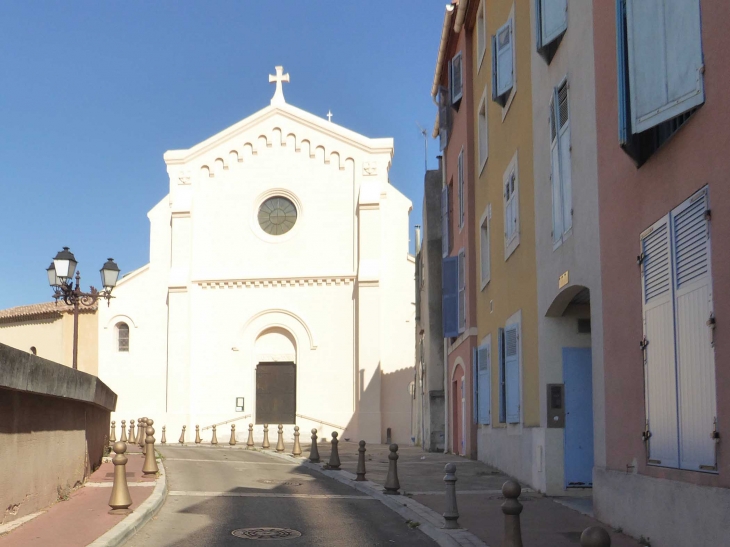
512	509
132	433
266	444
150	463
198	440
361	462
451	514
280	439
249	442
314	451
334	463
123	438
392	485
113	436
182	436
141	432
297	450
214	439
233	435
595	536
164	438
120	500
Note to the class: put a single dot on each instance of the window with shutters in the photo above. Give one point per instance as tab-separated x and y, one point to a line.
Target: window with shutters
512	373
501	387
660	71
551	22
444	117
462	291
678	344
484	381
483	132
481	30
457	80
460	182
445	236
484	247
510	184
503	63
450	296
560	172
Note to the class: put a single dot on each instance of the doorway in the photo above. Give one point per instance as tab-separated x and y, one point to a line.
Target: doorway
276	393
458	403
578	379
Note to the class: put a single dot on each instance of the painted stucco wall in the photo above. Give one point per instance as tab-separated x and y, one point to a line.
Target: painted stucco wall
513	287
630	201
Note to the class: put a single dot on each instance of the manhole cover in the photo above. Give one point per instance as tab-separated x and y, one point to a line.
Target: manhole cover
286	483
266	533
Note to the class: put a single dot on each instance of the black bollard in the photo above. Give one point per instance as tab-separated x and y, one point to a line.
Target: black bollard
392	485
313	451
595	536
334	463
512	509
361	462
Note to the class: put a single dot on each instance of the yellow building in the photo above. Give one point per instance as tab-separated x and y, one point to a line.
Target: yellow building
46	330
507	357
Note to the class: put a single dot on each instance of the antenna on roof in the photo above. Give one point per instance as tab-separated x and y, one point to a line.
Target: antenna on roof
425	145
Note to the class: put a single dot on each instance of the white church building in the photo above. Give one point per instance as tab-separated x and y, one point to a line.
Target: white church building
279	286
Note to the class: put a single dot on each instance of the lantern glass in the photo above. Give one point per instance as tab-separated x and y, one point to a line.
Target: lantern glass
53	280
109	274
65	264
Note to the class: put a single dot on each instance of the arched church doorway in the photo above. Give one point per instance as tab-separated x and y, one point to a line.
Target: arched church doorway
276	377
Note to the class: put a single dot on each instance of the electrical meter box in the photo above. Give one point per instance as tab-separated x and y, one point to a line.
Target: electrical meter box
556	405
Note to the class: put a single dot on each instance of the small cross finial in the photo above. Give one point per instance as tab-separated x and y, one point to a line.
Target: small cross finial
278	97
329	115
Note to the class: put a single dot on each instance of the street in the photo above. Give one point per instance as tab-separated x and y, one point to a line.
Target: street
214	491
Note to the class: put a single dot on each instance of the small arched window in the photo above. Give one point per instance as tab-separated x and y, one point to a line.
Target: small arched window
122	337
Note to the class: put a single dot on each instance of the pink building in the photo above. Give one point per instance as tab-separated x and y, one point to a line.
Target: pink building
663	141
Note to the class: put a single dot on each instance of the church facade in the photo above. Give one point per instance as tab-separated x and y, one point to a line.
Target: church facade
279	287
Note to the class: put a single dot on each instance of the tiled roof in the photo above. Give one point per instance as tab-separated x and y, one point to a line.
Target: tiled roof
20	313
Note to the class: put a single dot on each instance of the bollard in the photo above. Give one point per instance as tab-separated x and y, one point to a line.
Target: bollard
512	509
123	438
141	432
451	515
297	450
334	463
595	536
198	440
164	438
249	442
313	451
391	482
214	440
150	464
132	433
266	444
233	435
280	439
120	500
113	436
361	462
182	436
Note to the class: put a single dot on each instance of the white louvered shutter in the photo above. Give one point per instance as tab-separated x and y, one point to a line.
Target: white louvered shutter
554	19
695	354
505	68
457	78
460	175
512	372
445	222
665	59
484	356
565	164
555	175
659	356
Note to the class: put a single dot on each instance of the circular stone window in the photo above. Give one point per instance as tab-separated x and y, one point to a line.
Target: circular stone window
277	215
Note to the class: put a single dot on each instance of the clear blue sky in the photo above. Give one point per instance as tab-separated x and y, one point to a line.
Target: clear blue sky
93	93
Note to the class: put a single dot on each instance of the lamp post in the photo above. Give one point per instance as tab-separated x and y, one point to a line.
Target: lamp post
61	279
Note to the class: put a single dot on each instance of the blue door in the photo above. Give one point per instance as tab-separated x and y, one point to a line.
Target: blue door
577	376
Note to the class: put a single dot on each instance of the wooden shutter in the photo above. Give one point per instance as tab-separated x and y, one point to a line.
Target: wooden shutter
484	366
457	78
445	250
555	171
511	204
665	59
444	117
450	296
659	359
495	95
695	354
505	68
553	19
500	348
512	372
562	112
484	249
462	291
460	176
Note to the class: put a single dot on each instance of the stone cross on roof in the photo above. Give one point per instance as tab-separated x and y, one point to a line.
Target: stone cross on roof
278	97
329	115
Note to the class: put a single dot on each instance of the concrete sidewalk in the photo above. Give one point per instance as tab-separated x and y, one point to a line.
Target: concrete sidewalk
83	518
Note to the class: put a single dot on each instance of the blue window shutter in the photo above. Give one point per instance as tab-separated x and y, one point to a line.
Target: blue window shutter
474	387
445	222
450	296
622	60
495	96
553	19
500	346
512	372
484	355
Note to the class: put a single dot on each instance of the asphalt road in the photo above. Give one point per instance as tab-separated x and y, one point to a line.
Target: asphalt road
213	491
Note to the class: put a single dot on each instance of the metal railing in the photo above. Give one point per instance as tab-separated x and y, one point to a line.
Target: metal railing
321	422
226	422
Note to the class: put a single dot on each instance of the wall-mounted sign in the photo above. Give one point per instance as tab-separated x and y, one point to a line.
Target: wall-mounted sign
239	404
563	280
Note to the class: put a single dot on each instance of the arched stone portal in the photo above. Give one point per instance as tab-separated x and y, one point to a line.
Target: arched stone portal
276	377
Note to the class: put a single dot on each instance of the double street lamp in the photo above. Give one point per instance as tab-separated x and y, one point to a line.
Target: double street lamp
61	278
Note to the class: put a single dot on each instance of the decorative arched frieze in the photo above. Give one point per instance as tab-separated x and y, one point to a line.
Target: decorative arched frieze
285	319
120	318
